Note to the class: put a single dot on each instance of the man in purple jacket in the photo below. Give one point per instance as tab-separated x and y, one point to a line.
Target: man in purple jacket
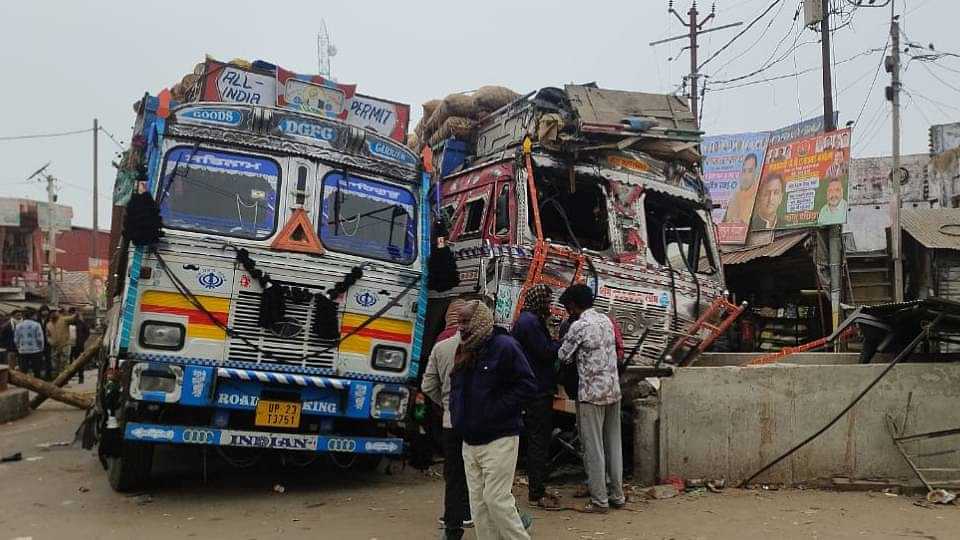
489	382
530	330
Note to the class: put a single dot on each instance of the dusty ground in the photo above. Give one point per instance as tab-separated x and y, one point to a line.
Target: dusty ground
62	493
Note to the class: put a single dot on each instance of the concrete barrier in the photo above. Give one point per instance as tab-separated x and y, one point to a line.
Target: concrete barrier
14	404
730	421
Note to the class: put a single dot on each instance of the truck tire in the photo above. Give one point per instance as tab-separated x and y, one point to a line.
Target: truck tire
130	469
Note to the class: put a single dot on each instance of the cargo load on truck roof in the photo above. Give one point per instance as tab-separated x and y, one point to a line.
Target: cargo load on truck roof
574	119
259	82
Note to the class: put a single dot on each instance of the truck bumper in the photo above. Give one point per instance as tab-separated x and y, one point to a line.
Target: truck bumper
157	433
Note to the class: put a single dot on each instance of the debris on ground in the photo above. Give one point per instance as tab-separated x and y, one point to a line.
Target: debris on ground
53	444
716	486
12	457
141	500
83	489
941	496
663	491
34	458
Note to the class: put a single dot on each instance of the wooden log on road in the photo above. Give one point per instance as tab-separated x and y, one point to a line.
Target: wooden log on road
71	370
82	401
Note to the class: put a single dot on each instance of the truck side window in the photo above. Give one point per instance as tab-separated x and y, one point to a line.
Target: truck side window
474	219
502	221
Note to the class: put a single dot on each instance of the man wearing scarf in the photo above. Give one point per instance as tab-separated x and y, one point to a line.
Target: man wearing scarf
530	330
490	381
436	385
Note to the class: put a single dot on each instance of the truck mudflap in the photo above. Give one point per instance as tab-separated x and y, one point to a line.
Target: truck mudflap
261	439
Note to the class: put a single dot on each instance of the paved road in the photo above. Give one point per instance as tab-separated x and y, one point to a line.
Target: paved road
63	493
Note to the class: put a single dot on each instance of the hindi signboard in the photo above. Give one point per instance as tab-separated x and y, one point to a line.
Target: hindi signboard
804	183
9	212
731	170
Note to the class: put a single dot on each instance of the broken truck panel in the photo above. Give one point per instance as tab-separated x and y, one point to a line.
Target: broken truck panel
620	206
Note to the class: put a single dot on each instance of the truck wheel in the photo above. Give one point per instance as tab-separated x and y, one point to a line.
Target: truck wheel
130	470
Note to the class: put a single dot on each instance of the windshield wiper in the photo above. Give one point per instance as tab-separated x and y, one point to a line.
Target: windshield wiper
173	174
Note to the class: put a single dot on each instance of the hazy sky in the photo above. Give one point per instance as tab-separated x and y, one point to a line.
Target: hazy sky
68	62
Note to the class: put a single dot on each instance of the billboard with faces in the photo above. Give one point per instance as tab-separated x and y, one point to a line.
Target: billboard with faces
731	171
804	183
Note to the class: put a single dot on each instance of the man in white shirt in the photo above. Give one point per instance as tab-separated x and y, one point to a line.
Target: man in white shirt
591	343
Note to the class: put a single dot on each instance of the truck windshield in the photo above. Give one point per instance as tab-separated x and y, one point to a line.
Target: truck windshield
369	218
219	192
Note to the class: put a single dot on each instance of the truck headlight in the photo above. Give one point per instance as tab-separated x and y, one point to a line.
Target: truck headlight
389	358
389	401
162	335
156	382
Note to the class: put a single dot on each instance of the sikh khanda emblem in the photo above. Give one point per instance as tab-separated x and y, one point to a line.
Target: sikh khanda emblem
210	278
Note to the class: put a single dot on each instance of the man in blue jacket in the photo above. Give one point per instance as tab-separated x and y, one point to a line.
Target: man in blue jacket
489	382
530	330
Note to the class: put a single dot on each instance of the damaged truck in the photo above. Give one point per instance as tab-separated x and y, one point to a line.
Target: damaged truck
580	184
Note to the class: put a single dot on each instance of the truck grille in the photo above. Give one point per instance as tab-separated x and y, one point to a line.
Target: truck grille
251	343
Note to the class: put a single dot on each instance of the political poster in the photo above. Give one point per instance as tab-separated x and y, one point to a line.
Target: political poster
804	183
731	171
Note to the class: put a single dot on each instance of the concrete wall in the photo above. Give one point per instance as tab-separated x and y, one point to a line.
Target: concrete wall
730	421
711	359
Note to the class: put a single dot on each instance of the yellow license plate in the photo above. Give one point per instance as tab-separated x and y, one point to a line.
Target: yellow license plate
284	414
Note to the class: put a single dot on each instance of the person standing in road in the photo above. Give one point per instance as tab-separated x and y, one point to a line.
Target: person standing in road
58	332
591	343
6	339
30	344
436	385
489	382
79	335
44	319
530	331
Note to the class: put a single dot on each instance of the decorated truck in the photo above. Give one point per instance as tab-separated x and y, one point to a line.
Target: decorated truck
269	244
580	184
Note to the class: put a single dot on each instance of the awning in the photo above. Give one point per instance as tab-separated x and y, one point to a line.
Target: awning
935	228
774	249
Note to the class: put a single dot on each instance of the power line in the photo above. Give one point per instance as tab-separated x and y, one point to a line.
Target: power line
873	83
741	33
759	38
797	73
45	135
112	138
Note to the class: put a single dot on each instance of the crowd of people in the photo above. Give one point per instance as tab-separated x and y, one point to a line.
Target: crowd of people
495	386
43	342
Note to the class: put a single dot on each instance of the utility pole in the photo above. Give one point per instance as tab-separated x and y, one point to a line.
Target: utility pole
95	257
892	63
695	29
834	231
51	240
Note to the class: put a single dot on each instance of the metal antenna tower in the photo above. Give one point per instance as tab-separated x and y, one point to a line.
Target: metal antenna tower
325	50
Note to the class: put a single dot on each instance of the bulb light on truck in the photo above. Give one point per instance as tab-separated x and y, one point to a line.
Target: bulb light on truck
389	359
162	335
156	382
389	401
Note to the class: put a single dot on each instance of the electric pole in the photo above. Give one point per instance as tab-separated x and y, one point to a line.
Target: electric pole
95	257
695	29
892	63
51	241
834	231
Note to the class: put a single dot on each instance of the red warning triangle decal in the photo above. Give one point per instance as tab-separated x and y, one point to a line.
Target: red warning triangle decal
298	235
